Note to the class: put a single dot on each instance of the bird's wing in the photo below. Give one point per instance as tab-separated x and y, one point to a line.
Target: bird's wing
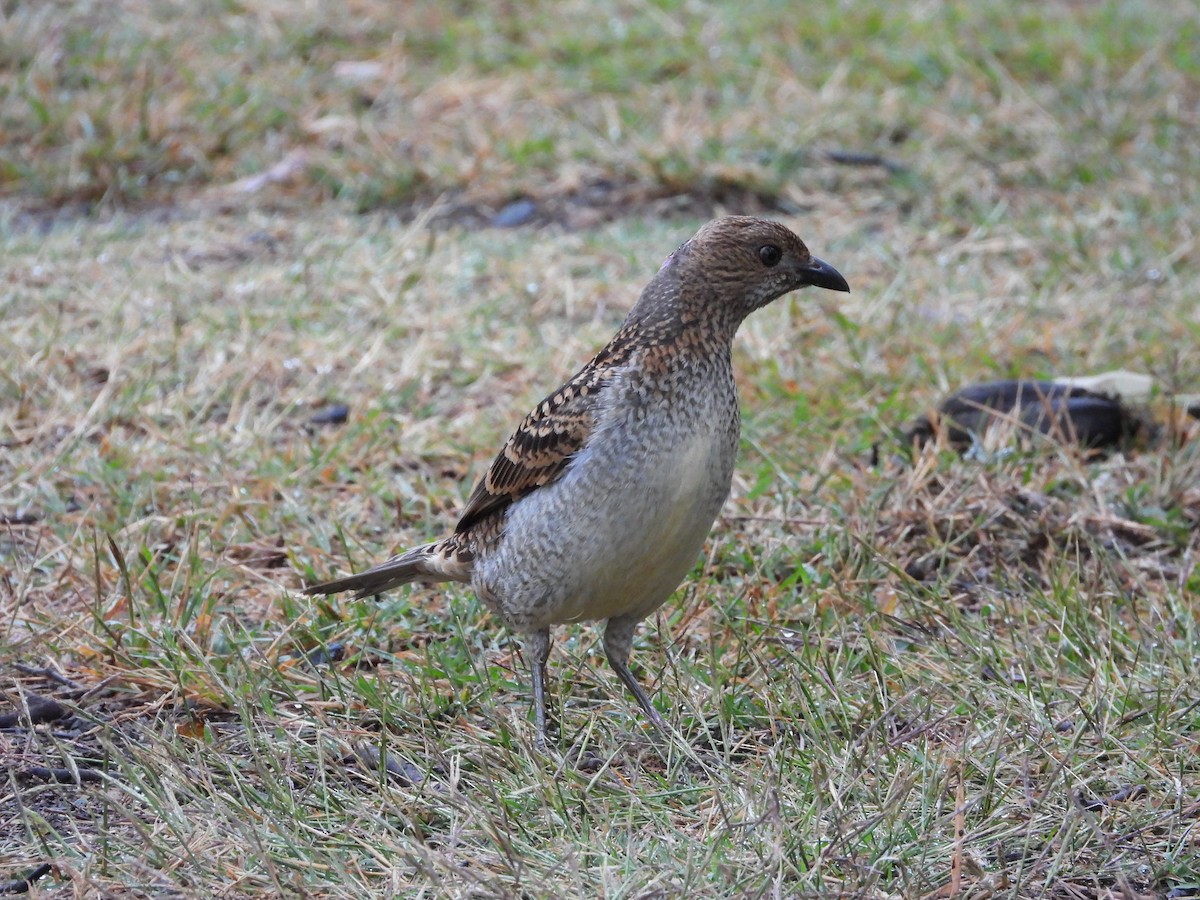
539	450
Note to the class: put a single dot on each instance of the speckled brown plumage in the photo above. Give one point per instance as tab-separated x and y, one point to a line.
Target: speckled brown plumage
599	502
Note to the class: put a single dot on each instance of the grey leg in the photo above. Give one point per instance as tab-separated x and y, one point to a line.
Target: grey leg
618	642
537	643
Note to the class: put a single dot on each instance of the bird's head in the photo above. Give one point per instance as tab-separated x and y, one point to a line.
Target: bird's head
750	262
728	269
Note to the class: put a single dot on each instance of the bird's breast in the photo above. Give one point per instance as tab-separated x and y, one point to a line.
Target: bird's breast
618	532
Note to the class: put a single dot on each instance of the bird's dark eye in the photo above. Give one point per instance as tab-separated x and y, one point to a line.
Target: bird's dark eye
770	255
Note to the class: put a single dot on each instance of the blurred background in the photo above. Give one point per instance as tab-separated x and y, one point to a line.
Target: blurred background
589	110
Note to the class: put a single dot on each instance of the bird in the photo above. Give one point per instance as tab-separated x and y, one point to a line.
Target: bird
599	503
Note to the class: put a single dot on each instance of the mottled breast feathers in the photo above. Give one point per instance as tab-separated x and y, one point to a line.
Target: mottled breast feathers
539	450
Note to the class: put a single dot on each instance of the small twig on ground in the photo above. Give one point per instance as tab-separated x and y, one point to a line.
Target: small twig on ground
39	710
24	883
854	158
62	776
48	672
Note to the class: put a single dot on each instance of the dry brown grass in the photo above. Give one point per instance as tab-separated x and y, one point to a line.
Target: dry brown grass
932	677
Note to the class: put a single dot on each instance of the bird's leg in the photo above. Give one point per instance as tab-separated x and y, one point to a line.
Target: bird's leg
618	642
538	645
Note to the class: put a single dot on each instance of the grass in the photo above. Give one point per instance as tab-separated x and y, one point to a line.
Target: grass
929	677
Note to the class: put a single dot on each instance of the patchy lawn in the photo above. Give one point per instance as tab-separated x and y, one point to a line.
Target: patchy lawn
920	676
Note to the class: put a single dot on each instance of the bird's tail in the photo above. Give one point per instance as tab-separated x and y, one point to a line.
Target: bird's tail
445	560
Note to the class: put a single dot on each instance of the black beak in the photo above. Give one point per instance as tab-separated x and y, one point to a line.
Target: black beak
821	274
